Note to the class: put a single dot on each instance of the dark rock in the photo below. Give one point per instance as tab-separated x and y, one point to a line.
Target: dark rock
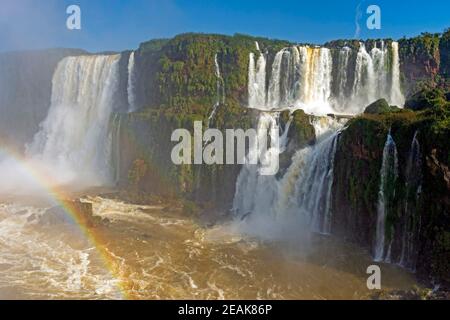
378	107
60	215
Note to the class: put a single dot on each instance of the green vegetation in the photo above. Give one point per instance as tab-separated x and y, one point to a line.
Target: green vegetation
444	48
180	73
357	178
379	107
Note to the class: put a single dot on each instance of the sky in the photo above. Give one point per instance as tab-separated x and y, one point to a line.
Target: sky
115	25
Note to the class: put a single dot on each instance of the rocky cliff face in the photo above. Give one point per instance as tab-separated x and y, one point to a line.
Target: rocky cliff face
189	78
204	78
179	86
425	61
419	215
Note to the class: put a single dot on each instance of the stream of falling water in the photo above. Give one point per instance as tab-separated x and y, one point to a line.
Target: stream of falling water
131	83
388	177
161	253
315	80
73	145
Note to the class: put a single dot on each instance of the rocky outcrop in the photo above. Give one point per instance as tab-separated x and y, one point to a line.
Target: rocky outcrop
425	61
357	179
379	107
70	213
177	85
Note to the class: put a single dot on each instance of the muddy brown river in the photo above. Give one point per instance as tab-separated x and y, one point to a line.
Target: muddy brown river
151	252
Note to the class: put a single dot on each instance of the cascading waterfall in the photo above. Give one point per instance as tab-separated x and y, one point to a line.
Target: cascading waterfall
397	97
306	188
303	194
314	192
342	77
116	135
411	222
131	83
364	86
255	192
308	78
388	178
74	139
220	91
302	77
257	81
273	94
220	99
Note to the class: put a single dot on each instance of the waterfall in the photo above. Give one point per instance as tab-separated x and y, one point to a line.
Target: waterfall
397	97
319	82
116	135
313	188
255	191
302	194
257	81
302	77
364	86
273	95
342	78
386	193
131	84
74	140
220	90
411	221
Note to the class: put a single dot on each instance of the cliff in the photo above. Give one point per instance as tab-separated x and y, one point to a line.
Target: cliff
204	77
357	183
425	61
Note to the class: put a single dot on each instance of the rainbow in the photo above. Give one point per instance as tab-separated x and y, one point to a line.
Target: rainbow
48	184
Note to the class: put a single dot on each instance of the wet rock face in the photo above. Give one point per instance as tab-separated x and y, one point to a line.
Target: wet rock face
420	59
380	106
356	183
425	61
356	180
72	213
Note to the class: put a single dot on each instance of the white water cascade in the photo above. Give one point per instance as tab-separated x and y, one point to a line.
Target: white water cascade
74	140
255	192
314	191
220	91
411	222
131	83
320	81
302	77
397	97
388	177
257	82
301	197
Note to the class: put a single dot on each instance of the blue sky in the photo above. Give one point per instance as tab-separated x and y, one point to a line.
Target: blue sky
123	24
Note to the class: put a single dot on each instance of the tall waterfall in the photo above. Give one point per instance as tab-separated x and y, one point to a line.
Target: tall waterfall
116	152
313	192
397	97
303	77
255	192
257	82
320	81
131	83
411	220
302	196
74	139
386	193
220	87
